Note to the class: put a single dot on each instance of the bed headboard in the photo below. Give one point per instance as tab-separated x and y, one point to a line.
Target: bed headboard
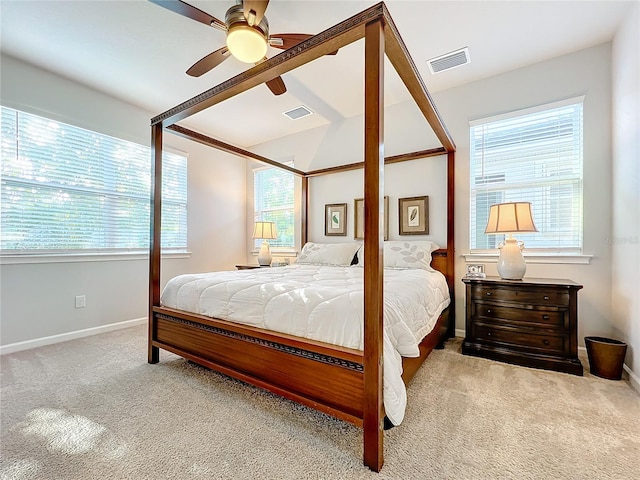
439	261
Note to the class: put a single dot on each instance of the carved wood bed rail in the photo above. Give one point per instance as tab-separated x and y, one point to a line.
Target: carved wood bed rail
296	368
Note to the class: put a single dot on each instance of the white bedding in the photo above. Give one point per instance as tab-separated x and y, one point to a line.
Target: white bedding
323	303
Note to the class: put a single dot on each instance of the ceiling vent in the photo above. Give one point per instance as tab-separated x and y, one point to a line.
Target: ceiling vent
298	112
449	60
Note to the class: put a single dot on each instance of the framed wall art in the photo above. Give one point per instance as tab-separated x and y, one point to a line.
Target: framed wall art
358	218
335	219
413	215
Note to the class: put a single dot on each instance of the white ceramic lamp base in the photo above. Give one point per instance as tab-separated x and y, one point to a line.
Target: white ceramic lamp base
264	257
511	264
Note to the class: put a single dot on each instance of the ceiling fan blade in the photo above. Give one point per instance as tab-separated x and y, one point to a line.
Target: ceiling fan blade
212	60
189	11
254	10
277	86
288	40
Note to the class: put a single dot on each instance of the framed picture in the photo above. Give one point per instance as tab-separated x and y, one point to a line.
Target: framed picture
358	218
335	219
413	215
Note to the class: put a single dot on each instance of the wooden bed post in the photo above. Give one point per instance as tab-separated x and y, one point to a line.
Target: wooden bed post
153	355
373	244
451	184
304	210
354	379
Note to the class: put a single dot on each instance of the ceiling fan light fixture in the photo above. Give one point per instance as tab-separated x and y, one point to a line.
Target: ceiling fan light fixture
246	43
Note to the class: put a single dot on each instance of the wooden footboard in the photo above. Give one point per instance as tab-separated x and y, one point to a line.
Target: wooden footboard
322	376
325	377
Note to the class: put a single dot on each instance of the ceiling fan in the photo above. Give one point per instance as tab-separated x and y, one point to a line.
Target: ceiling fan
247	32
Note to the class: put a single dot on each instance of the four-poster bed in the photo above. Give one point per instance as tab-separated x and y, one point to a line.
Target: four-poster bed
340	381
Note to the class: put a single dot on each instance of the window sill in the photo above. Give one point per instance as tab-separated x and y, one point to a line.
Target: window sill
15	259
541	258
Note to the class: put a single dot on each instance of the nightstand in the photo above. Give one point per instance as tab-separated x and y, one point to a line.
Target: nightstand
531	322
250	267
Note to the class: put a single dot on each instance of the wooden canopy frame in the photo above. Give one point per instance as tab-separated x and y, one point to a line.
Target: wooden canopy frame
252	354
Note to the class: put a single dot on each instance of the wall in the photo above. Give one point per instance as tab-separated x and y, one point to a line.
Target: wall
625	229
342	143
585	72
38	299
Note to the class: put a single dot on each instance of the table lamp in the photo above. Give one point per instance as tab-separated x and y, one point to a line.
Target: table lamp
265	231
510	218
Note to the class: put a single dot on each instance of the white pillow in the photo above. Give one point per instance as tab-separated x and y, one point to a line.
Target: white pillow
328	253
405	254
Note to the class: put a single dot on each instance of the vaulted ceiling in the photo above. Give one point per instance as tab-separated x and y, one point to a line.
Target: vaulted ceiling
139	52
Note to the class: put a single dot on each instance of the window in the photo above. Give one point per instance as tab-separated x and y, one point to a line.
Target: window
66	189
532	155
273	200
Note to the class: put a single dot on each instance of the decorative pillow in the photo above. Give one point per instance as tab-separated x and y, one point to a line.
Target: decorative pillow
405	254
328	253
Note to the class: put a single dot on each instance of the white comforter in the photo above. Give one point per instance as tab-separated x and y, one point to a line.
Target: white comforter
322	303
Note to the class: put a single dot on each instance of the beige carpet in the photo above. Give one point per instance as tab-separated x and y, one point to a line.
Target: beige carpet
94	409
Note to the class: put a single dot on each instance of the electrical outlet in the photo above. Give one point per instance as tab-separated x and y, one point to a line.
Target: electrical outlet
81	301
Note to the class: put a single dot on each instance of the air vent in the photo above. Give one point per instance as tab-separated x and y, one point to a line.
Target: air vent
449	60
298	112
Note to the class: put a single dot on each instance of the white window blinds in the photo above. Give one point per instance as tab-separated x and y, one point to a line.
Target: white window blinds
533	155
69	189
273	196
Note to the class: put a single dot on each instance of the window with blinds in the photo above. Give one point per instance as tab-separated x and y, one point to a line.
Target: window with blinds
532	155
66	189
273	197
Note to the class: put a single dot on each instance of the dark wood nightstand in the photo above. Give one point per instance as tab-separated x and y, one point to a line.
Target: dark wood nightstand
250	267
531	322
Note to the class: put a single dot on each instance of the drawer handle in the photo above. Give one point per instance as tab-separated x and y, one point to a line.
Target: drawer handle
546	297
545	341
545	317
488	310
488	334
488	294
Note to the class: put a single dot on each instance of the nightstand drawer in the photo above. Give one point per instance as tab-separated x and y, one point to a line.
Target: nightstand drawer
517	338
531	322
521	295
489	312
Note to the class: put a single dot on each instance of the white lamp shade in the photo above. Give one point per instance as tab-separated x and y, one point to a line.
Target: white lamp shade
510	217
265	230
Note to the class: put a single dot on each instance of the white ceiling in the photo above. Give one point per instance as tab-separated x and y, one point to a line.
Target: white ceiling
138	52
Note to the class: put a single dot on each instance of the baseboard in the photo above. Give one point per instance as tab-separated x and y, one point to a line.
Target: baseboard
633	378
63	337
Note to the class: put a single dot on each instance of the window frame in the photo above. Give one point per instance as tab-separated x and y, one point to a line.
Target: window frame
539	254
106	252
285	250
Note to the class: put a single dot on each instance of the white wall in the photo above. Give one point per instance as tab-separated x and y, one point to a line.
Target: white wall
586	72
50	310
625	231
341	143
582	73
410	179
38	299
